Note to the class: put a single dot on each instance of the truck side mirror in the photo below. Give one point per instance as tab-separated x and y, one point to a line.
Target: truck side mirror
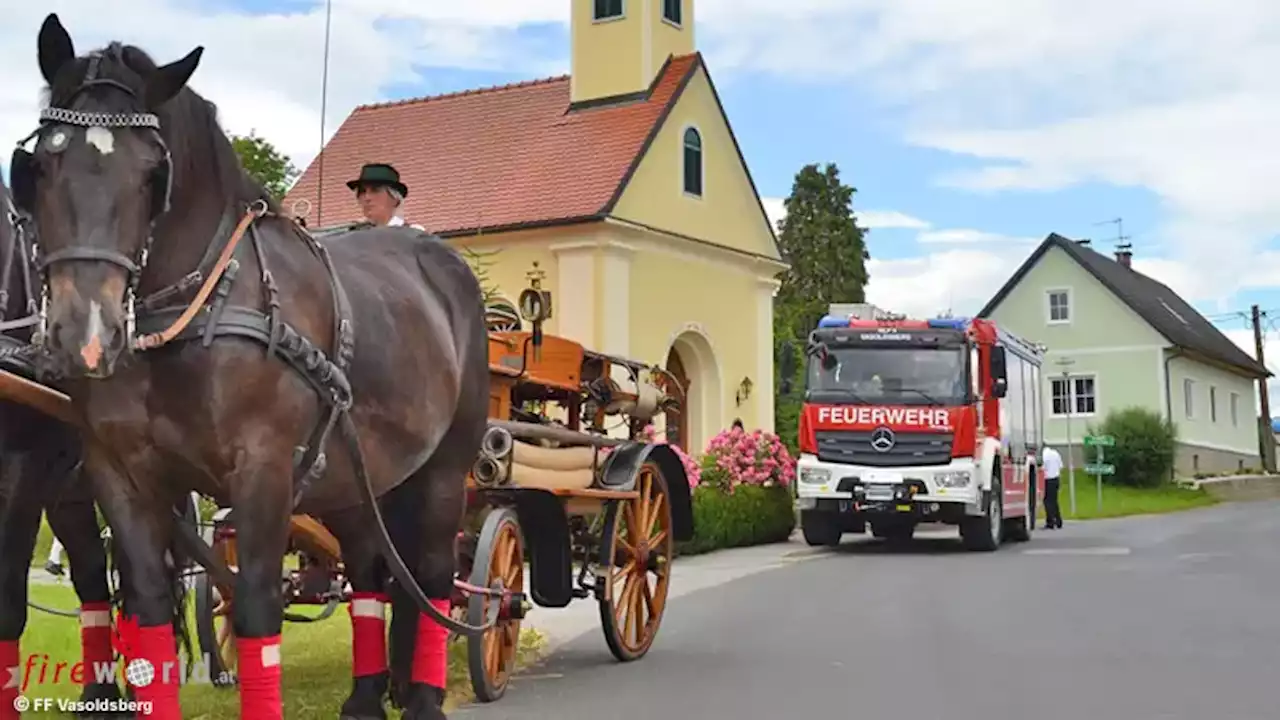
999	372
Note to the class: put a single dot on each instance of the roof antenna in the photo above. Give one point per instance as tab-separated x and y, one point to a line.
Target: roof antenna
1120	236
324	106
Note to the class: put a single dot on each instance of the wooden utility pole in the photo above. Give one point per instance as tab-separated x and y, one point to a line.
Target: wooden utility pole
1266	439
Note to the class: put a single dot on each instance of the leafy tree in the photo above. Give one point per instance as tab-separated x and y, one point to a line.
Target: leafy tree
827	251
480	263
265	163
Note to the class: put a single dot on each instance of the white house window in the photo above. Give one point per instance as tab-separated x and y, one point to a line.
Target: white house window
1213	404
693	162
1235	410
607	9
671	11
1075	395
1059	306
1188	396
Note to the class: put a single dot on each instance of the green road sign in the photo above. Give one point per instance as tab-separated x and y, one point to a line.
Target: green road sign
1100	469
1099	440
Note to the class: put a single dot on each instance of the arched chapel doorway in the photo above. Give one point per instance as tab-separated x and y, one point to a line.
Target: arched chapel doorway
692	360
678	421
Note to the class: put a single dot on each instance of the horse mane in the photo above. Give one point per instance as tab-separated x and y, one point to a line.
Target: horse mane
200	150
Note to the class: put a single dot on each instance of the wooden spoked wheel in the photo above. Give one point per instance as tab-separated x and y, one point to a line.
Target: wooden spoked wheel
491	658
214	630
635	566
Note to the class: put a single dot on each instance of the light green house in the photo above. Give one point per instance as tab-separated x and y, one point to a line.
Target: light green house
1117	338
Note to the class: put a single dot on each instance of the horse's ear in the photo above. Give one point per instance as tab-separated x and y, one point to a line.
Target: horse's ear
167	81
54	47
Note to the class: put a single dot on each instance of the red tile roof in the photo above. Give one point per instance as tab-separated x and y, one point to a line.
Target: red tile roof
494	158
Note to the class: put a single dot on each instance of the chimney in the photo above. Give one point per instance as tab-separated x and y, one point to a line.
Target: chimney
1124	255
1085	242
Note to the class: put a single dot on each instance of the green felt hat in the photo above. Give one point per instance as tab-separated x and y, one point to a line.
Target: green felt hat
376	174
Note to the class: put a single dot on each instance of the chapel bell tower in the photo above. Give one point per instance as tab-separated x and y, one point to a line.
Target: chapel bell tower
618	46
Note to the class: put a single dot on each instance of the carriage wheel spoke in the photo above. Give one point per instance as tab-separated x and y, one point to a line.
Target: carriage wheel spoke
655	514
646	495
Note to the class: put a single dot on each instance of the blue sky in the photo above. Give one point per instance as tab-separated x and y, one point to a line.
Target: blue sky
971	128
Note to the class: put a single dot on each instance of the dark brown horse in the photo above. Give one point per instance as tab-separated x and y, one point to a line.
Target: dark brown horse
38	459
347	379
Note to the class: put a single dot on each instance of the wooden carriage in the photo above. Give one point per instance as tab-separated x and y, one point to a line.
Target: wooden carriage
550	487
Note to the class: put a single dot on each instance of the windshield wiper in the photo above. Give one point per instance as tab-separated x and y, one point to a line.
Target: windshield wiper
923	394
842	392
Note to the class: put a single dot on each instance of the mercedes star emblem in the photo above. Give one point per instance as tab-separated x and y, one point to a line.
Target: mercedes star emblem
882	439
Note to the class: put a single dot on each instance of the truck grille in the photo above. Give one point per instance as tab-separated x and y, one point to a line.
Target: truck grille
854	448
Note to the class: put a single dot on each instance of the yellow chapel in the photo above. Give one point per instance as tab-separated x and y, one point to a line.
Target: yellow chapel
624	183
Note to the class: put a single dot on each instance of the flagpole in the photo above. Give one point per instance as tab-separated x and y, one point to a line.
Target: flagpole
324	104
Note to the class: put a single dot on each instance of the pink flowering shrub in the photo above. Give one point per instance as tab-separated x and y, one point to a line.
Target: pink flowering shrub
650	435
737	457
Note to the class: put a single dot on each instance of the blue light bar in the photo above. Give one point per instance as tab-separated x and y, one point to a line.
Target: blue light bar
831	321
949	323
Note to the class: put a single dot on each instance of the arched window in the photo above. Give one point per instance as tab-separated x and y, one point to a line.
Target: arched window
693	162
501	316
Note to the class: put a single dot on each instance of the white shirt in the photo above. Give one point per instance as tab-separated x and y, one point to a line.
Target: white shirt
1052	463
397	221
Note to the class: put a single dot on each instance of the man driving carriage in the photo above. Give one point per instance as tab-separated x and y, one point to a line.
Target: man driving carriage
381	194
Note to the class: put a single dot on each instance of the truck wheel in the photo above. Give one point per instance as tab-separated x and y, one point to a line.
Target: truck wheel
820	528
985	532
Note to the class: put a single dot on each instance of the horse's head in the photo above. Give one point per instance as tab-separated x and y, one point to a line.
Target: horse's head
96	181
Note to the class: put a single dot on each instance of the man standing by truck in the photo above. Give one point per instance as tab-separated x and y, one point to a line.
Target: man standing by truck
1052	462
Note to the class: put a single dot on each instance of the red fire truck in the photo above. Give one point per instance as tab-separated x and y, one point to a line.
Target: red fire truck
919	421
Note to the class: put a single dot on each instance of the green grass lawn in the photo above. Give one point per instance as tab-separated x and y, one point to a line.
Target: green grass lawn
316	673
1120	501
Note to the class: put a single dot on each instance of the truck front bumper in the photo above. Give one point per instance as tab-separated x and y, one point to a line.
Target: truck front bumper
934	493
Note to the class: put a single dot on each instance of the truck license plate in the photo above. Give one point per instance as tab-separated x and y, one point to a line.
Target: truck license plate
879	493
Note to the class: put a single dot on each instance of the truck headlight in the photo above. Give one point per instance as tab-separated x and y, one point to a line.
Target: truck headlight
814	476
952	479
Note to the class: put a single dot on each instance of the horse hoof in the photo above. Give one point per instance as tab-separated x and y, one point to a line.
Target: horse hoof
423	703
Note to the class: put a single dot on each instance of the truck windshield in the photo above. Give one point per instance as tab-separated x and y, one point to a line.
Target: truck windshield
891	376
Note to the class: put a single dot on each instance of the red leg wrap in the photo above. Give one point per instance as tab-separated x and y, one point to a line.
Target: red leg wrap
157	646
368	633
259	667
430	650
10	678
95	638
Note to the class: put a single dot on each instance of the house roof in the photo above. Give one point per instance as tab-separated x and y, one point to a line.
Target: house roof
498	158
1153	301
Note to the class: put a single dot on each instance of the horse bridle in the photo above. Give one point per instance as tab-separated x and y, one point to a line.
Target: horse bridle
23	171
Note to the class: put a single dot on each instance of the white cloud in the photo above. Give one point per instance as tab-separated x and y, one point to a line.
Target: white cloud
888	219
263	70
775	208
966	236
961	280
1179	98
1271	351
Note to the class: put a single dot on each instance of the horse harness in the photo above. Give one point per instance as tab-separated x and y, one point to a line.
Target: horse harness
162	317
16	354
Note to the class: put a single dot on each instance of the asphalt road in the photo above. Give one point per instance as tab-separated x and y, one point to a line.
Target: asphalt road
1170	618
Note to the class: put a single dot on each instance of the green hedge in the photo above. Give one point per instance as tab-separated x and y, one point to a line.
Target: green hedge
751	515
1144	449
